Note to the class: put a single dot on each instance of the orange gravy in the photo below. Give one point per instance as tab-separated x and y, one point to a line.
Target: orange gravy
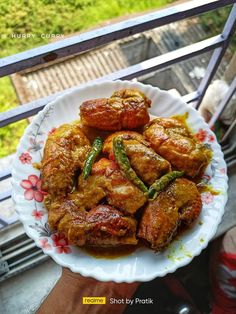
112	252
207	188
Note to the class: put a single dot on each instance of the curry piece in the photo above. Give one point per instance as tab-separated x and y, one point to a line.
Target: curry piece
101	226
179	203
170	138
108	181
148	165
72	223
109	227
90	191
57	208
120	192
65	151
125	109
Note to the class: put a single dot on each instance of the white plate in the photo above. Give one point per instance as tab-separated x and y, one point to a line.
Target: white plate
143	264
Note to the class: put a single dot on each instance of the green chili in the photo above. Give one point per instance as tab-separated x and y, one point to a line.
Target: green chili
162	182
92	155
124	164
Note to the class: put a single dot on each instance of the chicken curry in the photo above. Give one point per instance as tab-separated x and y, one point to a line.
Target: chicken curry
114	178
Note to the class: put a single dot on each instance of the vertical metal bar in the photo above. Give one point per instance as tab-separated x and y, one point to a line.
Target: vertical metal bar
224	140
218	54
223	103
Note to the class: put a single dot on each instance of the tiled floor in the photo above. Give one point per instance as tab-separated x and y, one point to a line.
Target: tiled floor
23	294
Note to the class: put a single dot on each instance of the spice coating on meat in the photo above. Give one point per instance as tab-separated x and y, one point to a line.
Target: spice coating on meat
179	203
108	181
171	139
125	109
103	225
65	151
148	165
125	184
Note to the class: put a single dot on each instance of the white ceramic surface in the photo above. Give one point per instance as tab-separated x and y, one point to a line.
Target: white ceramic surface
143	264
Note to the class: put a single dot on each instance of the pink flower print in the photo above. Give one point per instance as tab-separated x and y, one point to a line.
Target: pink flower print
25	158
61	243
201	135
223	170
207	198
32	188
52	131
44	244
211	138
37	214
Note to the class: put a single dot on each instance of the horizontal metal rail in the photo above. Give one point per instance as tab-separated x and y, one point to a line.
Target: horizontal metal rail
191	97
5	195
16	246
5	174
3	223
25	258
9	235
33	261
12	255
96	38
153	64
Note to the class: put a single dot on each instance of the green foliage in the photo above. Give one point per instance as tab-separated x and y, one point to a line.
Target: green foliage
9	135
214	21
59	17
49	17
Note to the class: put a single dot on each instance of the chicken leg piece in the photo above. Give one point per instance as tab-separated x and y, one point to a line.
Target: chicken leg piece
101	226
65	151
125	109
170	138
179	203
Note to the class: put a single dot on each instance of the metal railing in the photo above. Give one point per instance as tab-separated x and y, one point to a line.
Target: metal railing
93	39
96	38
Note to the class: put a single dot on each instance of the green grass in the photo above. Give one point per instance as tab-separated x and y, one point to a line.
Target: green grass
50	17
9	135
59	17
214	21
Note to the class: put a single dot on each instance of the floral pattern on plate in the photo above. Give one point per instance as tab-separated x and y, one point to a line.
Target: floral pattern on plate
143	264
32	187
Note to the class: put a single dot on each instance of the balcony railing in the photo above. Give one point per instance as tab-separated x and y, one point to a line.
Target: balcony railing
96	38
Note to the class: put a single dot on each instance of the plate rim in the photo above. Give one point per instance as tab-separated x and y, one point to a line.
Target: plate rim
83	272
